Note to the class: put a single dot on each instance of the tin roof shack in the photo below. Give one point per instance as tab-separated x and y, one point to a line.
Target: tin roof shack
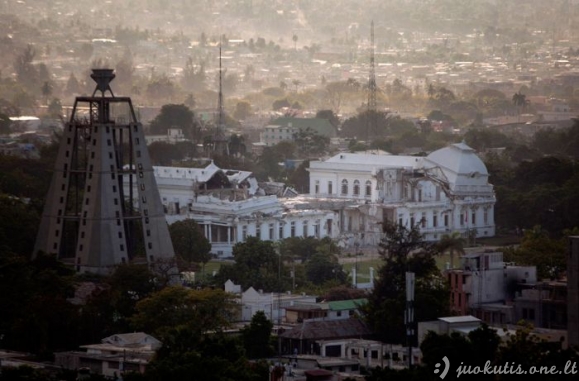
116	354
306	336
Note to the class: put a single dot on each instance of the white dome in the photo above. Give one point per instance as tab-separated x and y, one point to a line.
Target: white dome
460	159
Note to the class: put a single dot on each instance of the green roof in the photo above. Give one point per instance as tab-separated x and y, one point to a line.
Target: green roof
342	305
321	126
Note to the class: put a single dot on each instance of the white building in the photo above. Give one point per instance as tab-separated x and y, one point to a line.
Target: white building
443	192
230	206
351	196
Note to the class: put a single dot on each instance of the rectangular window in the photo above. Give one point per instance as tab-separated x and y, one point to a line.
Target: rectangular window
446	220
271	227
330	190
434	221
109	142
244	232
293	229
486	217
473	218
258	230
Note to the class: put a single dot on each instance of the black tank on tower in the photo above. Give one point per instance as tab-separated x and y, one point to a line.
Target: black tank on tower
103	207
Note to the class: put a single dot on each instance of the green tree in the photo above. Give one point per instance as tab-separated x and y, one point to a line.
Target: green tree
172	116
323	267
242	110
309	142
256	336
190	243
451	243
404	250
163	153
173	307
257	265
330	116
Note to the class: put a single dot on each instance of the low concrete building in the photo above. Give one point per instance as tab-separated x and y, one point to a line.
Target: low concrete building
116	354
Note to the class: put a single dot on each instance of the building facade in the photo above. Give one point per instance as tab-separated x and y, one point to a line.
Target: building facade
351	196
444	192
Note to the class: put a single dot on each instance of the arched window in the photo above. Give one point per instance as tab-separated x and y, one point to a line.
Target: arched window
368	188
356	188
344	187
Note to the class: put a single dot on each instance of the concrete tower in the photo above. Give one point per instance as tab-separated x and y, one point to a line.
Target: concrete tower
88	219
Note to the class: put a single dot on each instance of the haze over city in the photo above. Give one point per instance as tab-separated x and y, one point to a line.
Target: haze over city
289	190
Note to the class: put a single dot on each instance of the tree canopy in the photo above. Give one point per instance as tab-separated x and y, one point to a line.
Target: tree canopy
404	250
189	243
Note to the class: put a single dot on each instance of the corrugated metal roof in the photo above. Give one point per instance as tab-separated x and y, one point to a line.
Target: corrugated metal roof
328	329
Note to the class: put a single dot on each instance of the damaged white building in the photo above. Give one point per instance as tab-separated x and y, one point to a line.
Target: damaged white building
444	192
351	196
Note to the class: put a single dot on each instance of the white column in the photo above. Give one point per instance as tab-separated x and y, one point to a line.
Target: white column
229	234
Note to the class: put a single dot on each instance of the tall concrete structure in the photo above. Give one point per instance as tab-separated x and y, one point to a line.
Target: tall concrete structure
573	291
88	217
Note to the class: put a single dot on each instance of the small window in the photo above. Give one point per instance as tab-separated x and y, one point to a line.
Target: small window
122	247
356	188
91	155
109	143
138	153
150	245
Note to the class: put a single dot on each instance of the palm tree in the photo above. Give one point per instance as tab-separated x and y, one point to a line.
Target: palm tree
451	243
520	101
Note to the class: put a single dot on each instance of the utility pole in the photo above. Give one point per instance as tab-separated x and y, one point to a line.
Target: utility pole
409	314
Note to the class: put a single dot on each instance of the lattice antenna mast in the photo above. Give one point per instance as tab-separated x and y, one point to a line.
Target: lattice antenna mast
371	120
220	98
220	145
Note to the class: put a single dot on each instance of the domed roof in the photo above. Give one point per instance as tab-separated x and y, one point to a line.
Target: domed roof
458	158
